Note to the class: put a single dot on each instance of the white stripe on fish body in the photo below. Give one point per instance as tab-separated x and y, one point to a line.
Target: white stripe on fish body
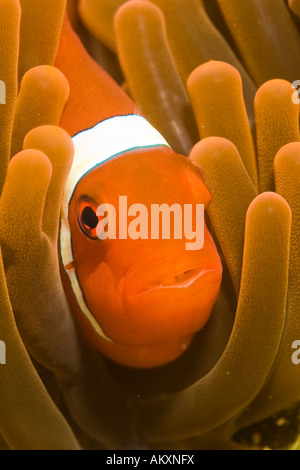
108	138
93	147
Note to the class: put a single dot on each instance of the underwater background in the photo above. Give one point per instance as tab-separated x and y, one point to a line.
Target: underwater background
215	78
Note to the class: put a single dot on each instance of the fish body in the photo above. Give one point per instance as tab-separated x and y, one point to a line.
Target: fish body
139	299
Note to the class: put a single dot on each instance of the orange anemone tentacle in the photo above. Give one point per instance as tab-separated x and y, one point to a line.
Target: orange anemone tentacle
277	124
10	15
216	91
41	23
194	40
151	74
266	37
40	86
222	164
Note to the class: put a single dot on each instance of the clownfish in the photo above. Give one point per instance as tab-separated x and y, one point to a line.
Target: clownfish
139	301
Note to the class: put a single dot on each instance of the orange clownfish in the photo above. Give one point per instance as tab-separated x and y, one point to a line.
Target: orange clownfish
140	299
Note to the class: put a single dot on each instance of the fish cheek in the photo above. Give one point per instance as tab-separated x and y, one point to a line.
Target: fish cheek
102	295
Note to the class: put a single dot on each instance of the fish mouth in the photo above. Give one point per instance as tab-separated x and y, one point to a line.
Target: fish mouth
176	273
173	297
181	280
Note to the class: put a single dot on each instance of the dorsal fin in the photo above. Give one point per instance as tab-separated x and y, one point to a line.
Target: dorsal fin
94	96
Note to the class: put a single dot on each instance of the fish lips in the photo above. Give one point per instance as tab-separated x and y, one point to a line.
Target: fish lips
171	298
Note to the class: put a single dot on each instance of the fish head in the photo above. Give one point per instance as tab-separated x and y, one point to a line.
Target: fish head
145	266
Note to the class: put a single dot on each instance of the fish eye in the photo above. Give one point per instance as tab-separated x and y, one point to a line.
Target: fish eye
88	219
